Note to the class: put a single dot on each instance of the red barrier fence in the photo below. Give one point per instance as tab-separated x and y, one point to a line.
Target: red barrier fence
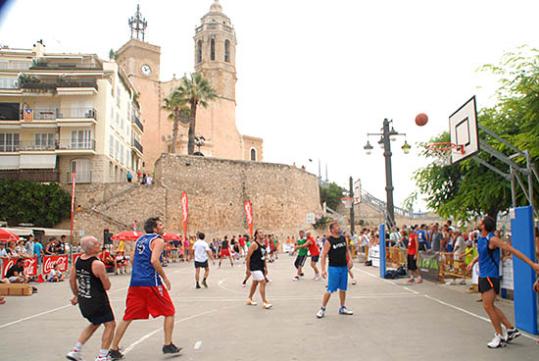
30	265
50	261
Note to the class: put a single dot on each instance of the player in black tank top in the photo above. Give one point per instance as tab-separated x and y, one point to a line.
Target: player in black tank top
256	266
89	284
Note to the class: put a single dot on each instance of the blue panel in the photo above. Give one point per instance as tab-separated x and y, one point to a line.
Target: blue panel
382	238
524	275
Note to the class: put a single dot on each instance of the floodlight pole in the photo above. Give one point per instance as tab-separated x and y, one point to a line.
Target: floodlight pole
389	174
352	215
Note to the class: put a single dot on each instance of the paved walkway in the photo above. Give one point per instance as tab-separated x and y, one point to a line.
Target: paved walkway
391	322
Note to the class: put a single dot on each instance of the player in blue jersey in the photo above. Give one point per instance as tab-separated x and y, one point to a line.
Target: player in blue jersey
489	248
147	295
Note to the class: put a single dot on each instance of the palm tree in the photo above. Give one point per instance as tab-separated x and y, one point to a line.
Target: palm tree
195	91
179	112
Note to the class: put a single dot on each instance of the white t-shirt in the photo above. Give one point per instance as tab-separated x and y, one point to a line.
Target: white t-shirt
201	248
459	246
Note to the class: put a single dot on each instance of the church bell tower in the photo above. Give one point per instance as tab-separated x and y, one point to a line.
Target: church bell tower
215	51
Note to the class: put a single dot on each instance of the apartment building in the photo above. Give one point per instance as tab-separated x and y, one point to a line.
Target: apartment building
61	113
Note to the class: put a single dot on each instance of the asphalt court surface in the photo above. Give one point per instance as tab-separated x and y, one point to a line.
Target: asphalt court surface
392	321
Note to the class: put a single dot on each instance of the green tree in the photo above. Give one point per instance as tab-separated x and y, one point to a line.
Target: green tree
331	193
468	189
179	111
195	91
29	202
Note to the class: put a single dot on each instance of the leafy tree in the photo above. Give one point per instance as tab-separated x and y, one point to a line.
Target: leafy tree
409	202
195	91
29	202
179	112
468	189
331	193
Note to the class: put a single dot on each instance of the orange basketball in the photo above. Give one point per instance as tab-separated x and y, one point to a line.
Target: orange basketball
421	119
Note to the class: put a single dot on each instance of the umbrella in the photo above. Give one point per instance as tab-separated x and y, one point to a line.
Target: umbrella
7	236
170	237
127	236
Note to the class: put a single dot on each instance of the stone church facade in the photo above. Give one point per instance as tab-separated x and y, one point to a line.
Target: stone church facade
215	57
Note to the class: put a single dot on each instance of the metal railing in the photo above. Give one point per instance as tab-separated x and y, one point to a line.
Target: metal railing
66	66
63	113
41	84
137	121
64	144
137	145
76	144
15	65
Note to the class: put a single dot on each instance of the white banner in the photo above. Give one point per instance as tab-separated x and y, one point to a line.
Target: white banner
374	255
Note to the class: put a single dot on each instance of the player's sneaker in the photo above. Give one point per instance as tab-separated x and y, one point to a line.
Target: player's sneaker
512	334
296	278
267	306
103	358
204	283
115	354
345	311
321	313
74	356
496	342
250	302
171	348
354	282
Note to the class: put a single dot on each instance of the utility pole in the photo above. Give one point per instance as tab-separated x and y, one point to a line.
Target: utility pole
352	218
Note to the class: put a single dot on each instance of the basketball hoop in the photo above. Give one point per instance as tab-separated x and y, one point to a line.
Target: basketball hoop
347	201
444	151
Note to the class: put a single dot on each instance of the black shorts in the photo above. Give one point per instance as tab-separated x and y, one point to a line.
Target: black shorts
315	259
412	262
300	261
201	264
101	317
489	283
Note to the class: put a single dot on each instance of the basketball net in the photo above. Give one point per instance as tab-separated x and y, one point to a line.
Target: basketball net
443	151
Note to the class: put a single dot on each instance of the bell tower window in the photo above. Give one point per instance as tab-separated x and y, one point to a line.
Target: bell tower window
227	51
253	154
199	52
212	49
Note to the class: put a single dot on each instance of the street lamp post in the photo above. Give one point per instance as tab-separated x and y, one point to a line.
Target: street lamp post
386	137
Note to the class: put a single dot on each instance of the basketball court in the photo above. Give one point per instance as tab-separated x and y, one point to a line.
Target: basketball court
391	321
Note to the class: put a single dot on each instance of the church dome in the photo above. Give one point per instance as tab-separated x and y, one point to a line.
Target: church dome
216	7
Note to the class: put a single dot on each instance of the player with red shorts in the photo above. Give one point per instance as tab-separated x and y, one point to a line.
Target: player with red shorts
225	252
147	295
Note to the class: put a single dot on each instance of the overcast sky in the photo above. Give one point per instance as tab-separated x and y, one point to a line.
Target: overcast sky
315	76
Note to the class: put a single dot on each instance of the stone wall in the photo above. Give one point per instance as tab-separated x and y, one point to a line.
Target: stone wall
281	195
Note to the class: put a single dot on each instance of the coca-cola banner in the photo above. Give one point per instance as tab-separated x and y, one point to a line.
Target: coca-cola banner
30	265
49	261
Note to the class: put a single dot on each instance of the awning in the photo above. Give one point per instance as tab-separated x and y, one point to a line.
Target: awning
37	161
9	162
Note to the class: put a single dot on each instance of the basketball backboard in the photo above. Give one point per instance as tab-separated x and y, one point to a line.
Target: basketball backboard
464	131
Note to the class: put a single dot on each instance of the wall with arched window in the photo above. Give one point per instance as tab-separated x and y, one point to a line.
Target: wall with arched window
199	51
253	154
212	49
227	51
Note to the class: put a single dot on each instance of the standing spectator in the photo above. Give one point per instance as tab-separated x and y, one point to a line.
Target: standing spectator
412	253
149	180
129	176
21	249
3	252
30	246
38	251
422	238
62	246
50	249
143	180
134	225
436	238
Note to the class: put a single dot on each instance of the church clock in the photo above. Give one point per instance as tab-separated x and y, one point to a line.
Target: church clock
146	69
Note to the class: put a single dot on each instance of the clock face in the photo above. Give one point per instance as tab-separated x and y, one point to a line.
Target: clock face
146	70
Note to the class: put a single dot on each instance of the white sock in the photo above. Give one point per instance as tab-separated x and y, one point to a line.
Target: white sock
103	353
77	347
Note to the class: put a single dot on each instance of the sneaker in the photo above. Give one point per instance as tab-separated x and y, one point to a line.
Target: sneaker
115	354
103	358
296	278
267	306
496	342
316	278
204	283
197	286
354	282
250	302
419	280
74	356
243	285
512	334
321	313
171	348
345	311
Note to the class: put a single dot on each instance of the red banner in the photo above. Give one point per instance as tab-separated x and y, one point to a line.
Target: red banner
30	265
248	206
50	261
185	213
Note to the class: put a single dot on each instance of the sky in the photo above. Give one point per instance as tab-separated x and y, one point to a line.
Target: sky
314	77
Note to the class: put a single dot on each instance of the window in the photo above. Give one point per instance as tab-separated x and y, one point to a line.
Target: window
10	111
81	139
8	83
83	170
199	52
253	154
44	141
111	146
212	49
227	51
9	142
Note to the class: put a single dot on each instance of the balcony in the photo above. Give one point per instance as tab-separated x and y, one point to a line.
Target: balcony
138	146
15	65
42	64
76	144
62	145
29	82
62	113
138	123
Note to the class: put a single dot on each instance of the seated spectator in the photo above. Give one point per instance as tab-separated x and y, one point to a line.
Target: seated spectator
15	274
107	259
21	249
11	252
55	275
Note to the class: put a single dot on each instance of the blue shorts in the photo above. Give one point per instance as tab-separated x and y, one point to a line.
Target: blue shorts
337	278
